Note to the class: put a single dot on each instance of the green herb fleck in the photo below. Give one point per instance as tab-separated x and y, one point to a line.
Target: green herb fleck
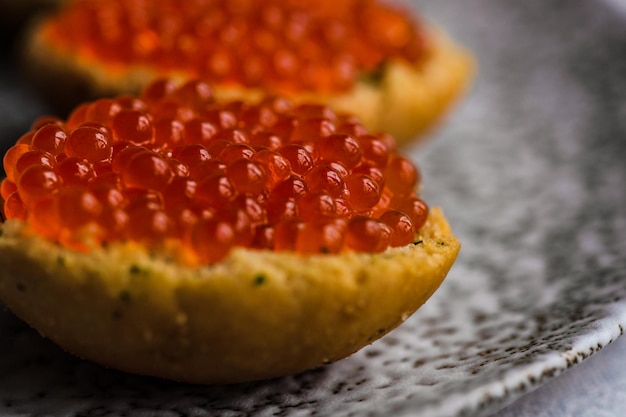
375	76
125	296
259	280
419	242
135	270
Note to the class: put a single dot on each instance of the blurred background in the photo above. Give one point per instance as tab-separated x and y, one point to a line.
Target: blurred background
546	122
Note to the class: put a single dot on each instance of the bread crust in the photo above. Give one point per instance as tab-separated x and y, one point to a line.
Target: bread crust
255	315
403	100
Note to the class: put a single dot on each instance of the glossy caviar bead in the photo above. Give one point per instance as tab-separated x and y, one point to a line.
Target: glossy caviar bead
281	210
207	169
101	127
212	239
285	126
176	169
371	171
191	155
37	181
88	143
216	191
276	166
179	193
108	195
255	211
292	187
263	237
326	178
74	171
374	150
343	208
169	108
34	158
158	90
10	159
340	148
183	219
131	103
248	177
215	147
168	132
321	238
147	170
401	176
43	217
76	206
102	111
198	131
312	129
316	205
402	230
414	207
241	222
141	198
364	191
149	224
257	117
113	222
286	235
7	188
389	141
265	139
49	138
233	135
383	205
132	126
367	235
194	93
234	151
299	158
14	207
223	119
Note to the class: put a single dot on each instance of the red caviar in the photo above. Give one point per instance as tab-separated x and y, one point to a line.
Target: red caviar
273	44
121	179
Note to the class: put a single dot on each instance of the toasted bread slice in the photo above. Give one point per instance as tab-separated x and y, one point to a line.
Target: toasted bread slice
254	315
401	98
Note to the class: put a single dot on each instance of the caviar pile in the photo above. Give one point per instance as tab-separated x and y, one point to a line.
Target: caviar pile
280	45
175	168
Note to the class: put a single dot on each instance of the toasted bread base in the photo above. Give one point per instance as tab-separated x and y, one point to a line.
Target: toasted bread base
404	100
255	315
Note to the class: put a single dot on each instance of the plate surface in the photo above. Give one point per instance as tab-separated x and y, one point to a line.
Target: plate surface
531	172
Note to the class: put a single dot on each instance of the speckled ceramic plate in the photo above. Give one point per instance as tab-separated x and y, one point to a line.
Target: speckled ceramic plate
531	172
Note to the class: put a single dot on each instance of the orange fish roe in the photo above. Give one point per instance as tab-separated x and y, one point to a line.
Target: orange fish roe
122	178
274	44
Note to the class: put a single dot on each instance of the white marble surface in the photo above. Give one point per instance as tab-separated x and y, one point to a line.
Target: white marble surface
529	170
596	387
